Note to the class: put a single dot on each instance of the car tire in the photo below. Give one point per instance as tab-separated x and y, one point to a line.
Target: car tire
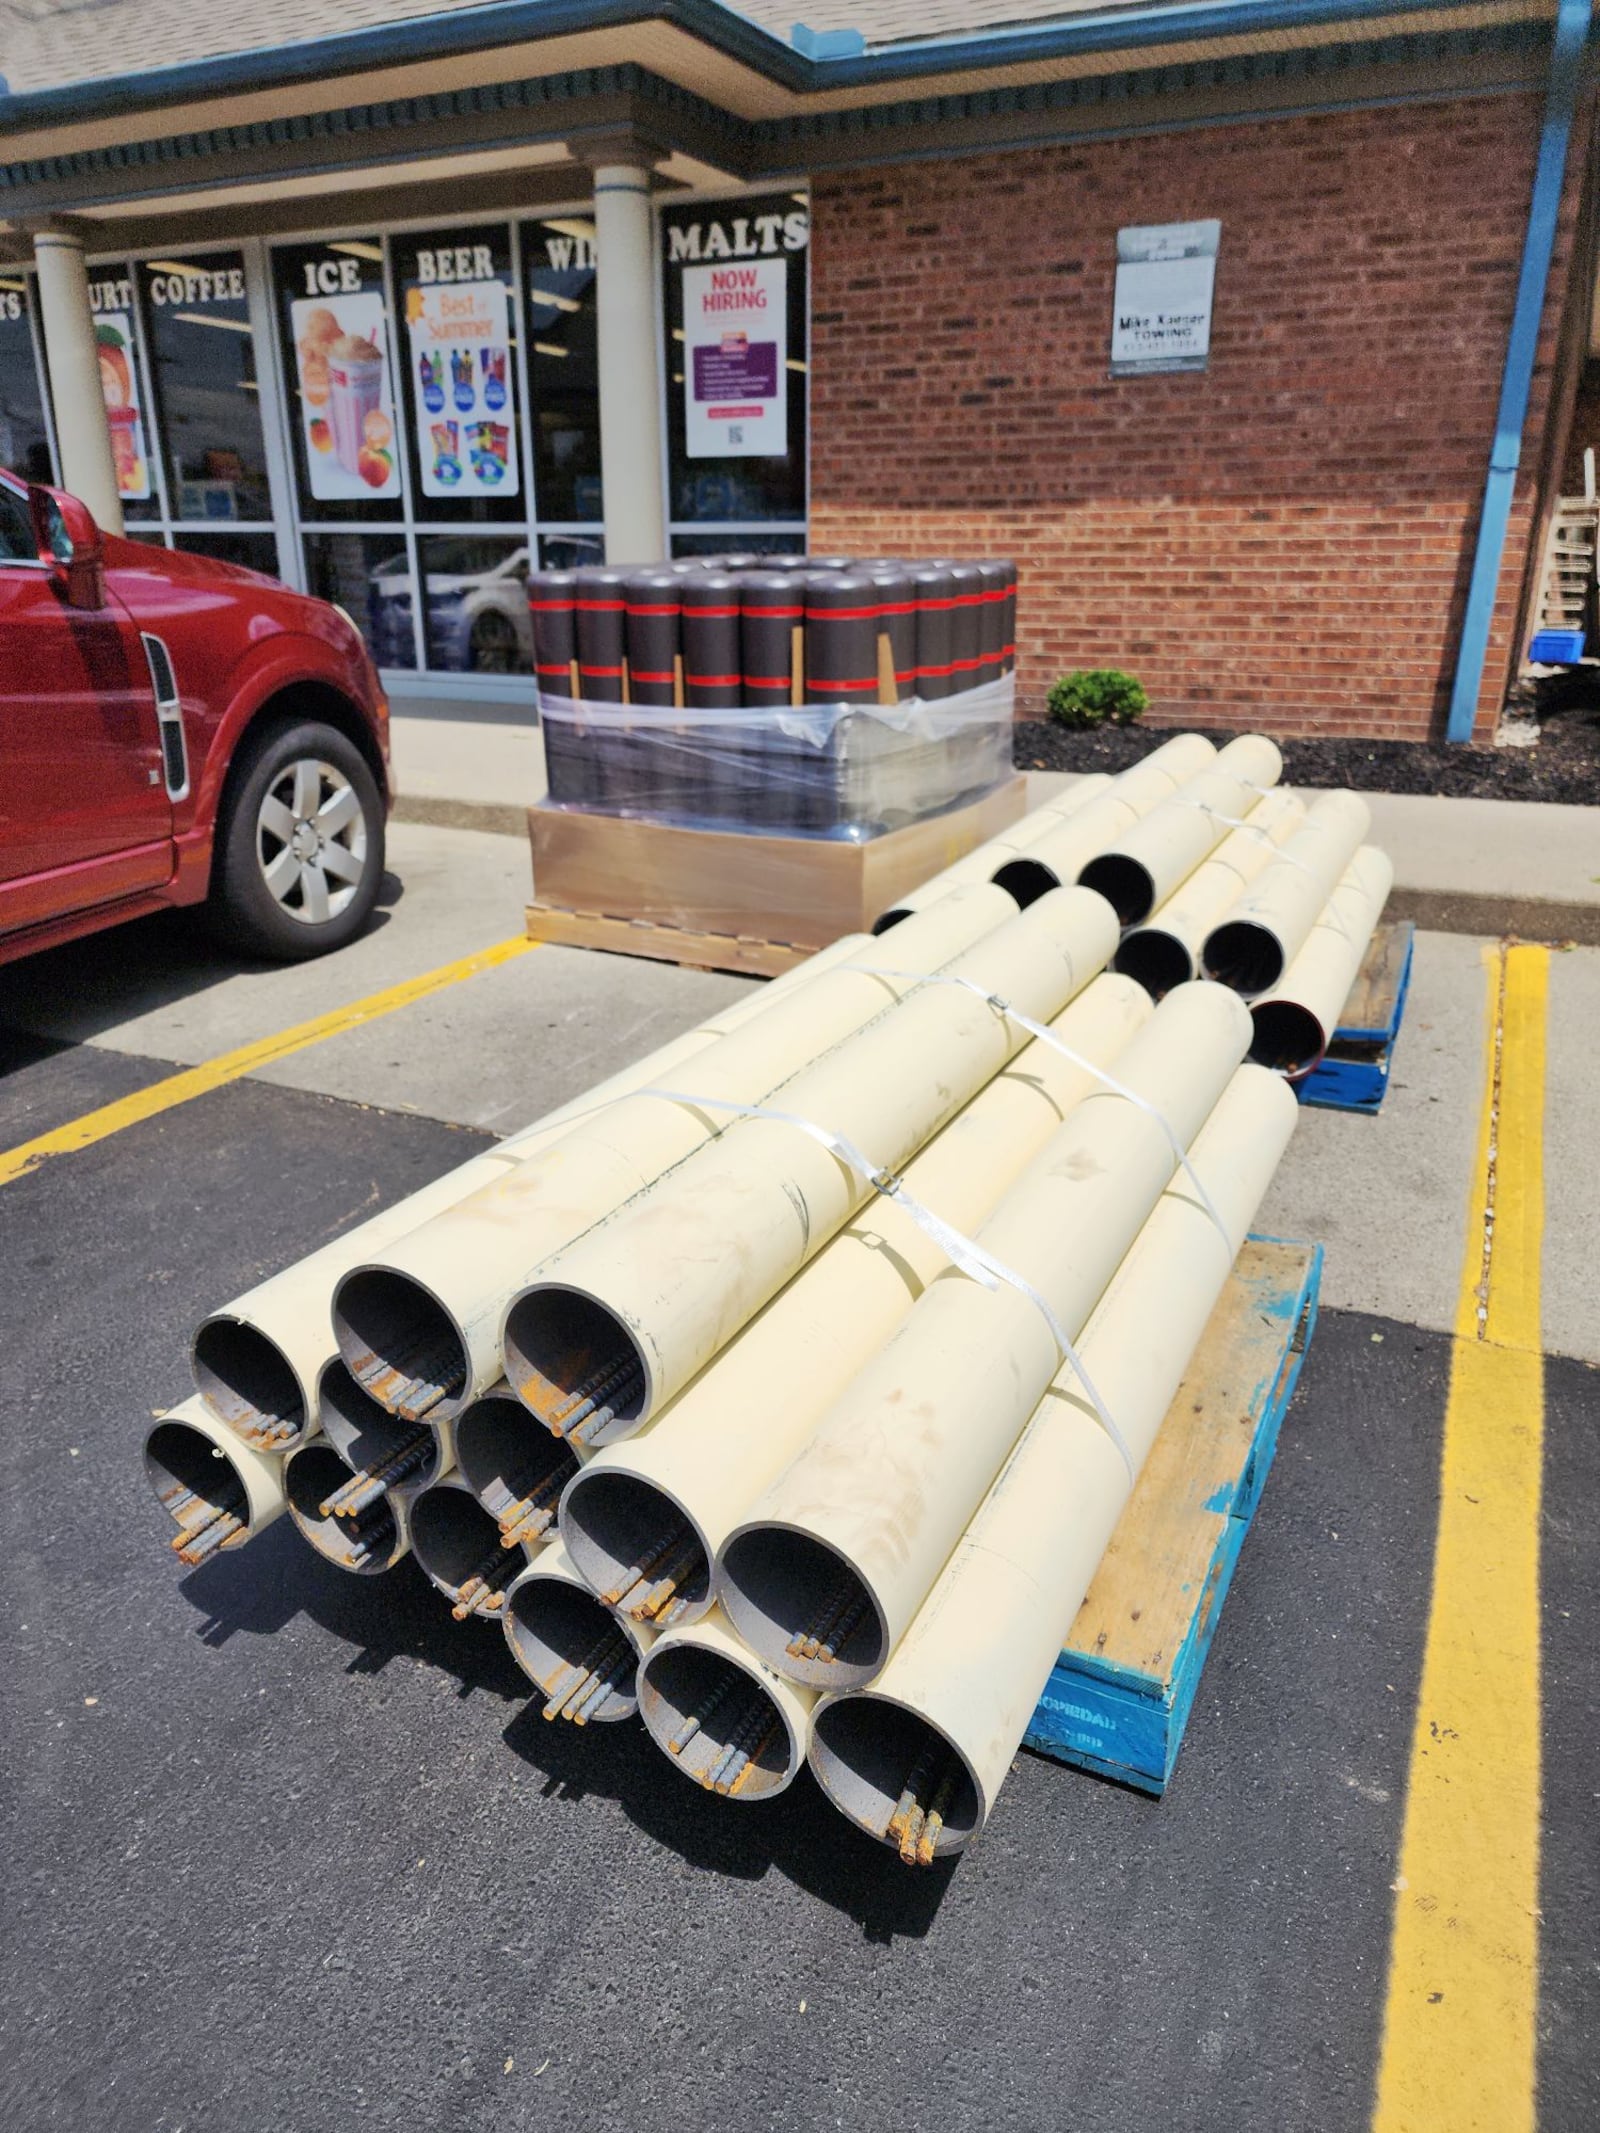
299	854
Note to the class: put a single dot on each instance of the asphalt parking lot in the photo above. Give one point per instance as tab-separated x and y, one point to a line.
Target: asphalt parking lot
291	1850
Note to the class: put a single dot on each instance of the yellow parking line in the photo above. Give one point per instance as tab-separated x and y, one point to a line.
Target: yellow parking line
178	1088
1459	2043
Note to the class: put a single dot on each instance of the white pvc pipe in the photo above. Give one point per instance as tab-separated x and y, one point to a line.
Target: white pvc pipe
720	1716
1054	861
257	1361
823	1577
513	1465
981	863
457	1544
650	1515
367	1545
1294	1022
1264	932
1163	848
650	1296
947	1714
581	1656
218	1490
1166	951
419	1324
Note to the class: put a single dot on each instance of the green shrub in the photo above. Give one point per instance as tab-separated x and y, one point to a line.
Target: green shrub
1097	696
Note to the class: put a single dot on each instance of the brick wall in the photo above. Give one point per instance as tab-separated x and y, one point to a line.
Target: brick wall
1282	541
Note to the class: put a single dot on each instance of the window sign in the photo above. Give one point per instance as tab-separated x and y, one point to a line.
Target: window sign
202	358
735	377
111	300
461	374
346	401
24	437
1161	312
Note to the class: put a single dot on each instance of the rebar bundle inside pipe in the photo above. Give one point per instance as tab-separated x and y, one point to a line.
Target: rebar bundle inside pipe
644	1520
1264	932
1166	951
382	1454
719	1715
581	1656
1294	1022
459	1547
366	1541
257	1361
631	1312
218	1490
420	1326
514	1466
823	1577
917	1758
1163	848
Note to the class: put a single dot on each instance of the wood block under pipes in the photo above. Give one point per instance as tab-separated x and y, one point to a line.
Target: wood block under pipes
1355	1072
730	902
1122	1690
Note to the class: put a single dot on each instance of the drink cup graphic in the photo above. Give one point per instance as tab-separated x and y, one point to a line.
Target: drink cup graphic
124	422
355	389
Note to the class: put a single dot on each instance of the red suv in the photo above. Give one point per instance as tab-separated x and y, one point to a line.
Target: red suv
178	731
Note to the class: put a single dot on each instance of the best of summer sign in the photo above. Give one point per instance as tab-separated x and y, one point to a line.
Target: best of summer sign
1161	313
735	380
461	379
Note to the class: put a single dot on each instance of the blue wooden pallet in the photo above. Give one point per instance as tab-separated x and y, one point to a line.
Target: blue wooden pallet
1123	1687
1355	1071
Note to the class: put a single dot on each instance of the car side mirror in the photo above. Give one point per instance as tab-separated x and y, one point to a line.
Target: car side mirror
69	541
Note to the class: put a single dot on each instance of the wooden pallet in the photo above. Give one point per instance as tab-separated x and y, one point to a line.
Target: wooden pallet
1120	1696
697	950
1355	1071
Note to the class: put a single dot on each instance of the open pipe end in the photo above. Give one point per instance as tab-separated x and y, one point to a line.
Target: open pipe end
400	1344
1158	961
1287	1037
200	1489
516	1470
402	1456
718	1722
896	1776
462	1554
576	1652
635	1546
886	921
1244	956
372	1542
1026	880
575	1366
802	1608
1126	884
247	1381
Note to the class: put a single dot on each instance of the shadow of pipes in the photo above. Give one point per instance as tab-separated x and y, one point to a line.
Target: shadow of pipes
398	1615
798	1833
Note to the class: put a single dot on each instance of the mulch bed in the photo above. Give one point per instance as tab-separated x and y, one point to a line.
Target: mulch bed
1564	765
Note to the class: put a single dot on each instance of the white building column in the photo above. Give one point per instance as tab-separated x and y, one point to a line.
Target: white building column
83	436
632	438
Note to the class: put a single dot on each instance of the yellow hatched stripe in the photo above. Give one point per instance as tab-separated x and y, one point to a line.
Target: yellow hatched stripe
179	1088
1459	2040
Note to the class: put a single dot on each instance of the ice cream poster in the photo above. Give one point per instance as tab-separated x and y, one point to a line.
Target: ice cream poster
119	385
735	378
461	388
346	401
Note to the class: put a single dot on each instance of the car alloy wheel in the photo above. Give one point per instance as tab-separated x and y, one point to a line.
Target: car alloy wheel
311	841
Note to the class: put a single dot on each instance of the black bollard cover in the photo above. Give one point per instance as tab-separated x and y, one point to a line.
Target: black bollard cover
934	595
653	599
713	678
966	634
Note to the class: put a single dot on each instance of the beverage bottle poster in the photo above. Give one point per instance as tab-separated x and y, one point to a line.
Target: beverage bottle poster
461	388
735	378
119	386
346	400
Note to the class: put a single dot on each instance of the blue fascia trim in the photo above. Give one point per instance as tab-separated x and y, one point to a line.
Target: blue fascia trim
1516	385
476	29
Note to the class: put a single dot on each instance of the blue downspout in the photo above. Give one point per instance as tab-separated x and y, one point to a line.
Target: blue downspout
1572	31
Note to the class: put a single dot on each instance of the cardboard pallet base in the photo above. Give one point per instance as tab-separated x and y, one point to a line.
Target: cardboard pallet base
728	902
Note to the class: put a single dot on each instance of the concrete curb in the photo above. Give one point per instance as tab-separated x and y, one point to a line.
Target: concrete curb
461	815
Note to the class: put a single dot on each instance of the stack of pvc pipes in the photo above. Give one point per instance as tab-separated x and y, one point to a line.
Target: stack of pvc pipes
788	1387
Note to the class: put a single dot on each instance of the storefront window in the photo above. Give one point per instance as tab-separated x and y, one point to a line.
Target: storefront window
571	551
24	437
558	266
461	399
202	360
475	608
122	380
339	362
253	551
736	301
368	575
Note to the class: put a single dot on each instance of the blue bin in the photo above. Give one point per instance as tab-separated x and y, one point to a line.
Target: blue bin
1556	648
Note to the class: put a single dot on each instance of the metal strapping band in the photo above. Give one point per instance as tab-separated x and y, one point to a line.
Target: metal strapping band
963	1252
